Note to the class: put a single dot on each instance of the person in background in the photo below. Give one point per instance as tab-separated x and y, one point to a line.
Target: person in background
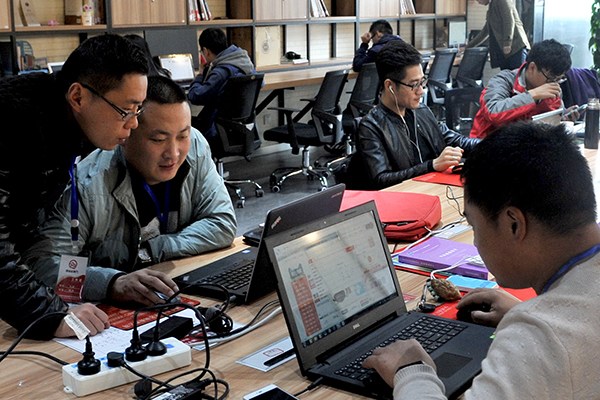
531	89
154	68
506	36
380	32
529	196
223	62
400	137
94	101
164	197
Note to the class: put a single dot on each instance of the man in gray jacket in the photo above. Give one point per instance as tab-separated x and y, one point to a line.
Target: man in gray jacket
155	198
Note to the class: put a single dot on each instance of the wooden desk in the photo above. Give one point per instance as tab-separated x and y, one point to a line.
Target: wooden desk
31	377
277	82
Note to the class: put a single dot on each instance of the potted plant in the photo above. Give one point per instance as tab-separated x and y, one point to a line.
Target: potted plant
594	43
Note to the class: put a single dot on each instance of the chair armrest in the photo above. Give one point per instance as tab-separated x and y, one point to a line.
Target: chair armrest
438	85
285	109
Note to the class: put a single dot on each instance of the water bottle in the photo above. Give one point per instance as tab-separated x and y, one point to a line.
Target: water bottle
592	124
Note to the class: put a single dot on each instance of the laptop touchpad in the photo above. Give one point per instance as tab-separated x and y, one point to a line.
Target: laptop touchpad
448	364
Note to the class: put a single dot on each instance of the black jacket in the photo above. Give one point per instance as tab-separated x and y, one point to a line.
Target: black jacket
384	153
38	139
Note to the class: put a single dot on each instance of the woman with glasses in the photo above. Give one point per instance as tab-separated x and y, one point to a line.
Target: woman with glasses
533	88
400	138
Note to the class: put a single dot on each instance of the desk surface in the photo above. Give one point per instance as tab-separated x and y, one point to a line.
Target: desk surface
301	77
29	377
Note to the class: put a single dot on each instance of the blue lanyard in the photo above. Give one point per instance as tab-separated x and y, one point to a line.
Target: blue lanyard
161	214
570	264
74	202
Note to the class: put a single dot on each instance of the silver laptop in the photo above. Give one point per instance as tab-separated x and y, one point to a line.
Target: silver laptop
551	117
181	67
341	299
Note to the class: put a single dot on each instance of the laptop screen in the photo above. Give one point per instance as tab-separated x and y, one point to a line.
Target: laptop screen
179	65
333	273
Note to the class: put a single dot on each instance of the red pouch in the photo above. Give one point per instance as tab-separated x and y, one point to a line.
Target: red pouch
405	216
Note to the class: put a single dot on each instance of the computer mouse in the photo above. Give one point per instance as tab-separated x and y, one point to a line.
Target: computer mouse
165	298
457	168
464	313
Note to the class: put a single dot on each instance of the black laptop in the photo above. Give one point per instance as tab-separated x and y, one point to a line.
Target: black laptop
341	299
247	275
181	68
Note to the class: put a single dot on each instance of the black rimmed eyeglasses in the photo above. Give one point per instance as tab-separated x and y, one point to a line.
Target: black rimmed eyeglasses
422	83
553	79
125	115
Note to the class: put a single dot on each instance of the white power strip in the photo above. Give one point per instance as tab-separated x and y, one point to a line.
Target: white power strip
178	355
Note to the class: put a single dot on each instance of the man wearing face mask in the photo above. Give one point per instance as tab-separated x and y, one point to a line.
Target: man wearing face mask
400	138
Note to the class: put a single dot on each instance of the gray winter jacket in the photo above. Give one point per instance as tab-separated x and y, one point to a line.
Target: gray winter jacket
109	228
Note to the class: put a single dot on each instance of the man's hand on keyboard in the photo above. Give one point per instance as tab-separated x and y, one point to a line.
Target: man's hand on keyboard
141	287
387	360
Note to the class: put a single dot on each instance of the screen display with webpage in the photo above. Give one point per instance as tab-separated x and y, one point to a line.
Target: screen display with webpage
179	65
334	275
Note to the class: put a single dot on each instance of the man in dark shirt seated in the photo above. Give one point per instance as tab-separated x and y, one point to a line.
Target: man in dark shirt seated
379	33
400	138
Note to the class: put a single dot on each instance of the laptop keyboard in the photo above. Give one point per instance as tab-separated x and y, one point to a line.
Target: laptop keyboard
430	332
233	278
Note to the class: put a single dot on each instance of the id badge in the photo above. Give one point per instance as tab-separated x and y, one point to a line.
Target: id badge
71	276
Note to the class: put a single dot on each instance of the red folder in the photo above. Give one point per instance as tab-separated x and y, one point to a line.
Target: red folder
445	178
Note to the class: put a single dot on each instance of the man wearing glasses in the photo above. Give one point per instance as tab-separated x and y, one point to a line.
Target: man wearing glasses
380	32
61	117
400	138
164	197
533	88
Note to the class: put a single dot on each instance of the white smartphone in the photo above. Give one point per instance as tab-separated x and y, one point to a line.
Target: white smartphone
270	392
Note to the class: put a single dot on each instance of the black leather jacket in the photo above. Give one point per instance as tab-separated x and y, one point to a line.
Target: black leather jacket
34	164
384	153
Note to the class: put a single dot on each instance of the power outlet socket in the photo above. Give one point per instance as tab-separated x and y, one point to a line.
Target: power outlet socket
178	355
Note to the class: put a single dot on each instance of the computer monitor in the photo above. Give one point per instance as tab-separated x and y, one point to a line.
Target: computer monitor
173	41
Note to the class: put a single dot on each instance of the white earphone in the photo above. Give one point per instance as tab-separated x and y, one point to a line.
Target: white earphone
391	90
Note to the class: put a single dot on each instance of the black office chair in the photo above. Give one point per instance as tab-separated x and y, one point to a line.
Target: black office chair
439	76
237	133
461	105
470	69
325	127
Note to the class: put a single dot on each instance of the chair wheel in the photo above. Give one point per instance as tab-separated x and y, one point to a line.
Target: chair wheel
275	189
240	203
259	192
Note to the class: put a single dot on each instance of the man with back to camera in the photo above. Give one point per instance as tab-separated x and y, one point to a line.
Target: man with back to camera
529	196
222	63
400	137
533	88
92	102
164	197
380	32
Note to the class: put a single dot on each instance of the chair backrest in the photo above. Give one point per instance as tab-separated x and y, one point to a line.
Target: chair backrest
470	70
461	105
235	116
363	97
326	113
442	65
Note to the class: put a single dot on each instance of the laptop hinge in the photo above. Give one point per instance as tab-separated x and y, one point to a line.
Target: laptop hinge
322	358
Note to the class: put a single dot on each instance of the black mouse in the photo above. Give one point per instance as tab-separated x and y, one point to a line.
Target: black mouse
464	313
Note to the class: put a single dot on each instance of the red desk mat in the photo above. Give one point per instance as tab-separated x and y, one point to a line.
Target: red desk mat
444	178
123	318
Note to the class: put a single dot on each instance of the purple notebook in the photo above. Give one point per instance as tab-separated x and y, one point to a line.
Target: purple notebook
436	253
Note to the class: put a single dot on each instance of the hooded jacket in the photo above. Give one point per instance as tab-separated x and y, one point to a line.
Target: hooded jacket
204	90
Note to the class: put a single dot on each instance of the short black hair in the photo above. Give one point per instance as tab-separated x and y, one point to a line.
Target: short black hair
550	55
102	61
535	167
394	57
164	90
381	25
213	39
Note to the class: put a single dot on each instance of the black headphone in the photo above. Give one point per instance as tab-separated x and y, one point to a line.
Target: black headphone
216	320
